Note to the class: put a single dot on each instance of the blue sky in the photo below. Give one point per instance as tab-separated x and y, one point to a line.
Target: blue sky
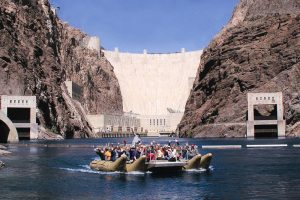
160	26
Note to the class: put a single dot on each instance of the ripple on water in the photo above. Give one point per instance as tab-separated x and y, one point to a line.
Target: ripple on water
87	169
201	170
64	173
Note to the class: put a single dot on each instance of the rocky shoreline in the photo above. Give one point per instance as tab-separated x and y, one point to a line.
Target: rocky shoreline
3	152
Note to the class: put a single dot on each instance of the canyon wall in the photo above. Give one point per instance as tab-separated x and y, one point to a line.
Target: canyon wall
38	53
257	51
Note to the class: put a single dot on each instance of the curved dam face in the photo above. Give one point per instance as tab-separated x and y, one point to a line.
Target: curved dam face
151	83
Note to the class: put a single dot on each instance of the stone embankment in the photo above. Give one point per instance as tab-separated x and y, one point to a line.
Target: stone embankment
3	152
38	53
258	51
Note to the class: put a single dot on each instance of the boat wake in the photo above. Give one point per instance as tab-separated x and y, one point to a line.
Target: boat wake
137	173
87	169
202	170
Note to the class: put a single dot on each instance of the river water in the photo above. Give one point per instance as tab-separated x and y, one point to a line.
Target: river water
63	173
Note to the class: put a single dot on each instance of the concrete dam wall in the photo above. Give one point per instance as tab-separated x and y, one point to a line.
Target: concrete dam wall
151	83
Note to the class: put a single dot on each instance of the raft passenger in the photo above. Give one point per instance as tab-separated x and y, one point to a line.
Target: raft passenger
99	151
193	152
107	154
113	154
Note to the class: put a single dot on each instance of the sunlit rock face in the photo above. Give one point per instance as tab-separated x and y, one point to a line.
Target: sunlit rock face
258	51
151	83
38	52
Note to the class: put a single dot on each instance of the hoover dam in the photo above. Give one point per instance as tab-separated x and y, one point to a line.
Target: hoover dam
151	83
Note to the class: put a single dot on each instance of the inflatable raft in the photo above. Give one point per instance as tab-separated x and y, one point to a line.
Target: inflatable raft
141	164
109	166
205	161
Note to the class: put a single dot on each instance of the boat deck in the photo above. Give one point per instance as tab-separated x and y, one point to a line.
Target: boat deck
165	166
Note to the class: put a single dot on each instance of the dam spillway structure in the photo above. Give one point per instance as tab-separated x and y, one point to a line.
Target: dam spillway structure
153	84
272	125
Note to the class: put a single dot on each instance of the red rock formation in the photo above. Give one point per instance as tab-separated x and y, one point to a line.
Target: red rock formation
258	51
38	53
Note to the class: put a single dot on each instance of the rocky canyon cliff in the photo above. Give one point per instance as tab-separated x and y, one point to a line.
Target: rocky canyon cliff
257	51
38	52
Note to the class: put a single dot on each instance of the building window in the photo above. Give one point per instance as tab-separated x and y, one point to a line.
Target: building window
157	122
153	122
160	121
164	122
14	101
10	101
26	101
150	122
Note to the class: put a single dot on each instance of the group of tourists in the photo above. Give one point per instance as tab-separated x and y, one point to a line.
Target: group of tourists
153	151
